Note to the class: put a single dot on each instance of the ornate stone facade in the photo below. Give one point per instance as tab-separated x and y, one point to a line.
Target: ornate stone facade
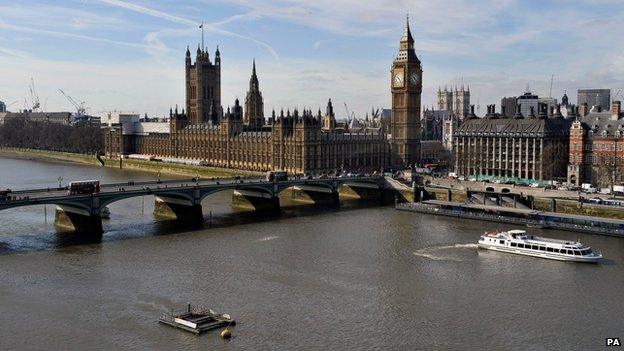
203	87
297	141
254	105
406	94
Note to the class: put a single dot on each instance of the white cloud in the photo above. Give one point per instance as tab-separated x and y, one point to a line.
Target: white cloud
213	27
497	45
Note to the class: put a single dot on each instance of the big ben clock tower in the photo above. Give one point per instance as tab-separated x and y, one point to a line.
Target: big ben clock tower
406	83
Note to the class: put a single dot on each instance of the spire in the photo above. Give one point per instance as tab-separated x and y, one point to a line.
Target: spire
407	33
406	47
254	67
188	51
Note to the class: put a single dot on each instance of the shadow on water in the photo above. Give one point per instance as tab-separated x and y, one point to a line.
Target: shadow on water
125	231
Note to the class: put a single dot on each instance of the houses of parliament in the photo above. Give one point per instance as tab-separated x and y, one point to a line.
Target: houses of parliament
296	141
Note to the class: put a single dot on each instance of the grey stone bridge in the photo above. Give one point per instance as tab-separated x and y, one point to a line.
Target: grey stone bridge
181	200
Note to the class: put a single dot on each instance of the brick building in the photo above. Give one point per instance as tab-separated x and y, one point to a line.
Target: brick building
597	148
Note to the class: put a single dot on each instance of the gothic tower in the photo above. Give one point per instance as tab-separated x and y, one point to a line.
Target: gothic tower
254	105
203	87
329	120
406	83
461	103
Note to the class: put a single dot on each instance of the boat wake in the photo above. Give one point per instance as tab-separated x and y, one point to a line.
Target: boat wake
273	237
444	253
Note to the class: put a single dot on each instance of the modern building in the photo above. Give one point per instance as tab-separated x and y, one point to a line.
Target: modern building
523	148
509	106
597	148
595	97
117	117
2	107
528	103
297	141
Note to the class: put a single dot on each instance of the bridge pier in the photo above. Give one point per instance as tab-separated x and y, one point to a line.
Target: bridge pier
256	201
179	210
68	219
321	196
375	194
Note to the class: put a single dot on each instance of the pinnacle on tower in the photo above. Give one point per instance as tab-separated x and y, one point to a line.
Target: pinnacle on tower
407	33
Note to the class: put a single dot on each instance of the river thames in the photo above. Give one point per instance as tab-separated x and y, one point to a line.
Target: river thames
361	278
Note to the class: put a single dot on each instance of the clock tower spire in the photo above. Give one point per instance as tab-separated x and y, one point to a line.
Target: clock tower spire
406	86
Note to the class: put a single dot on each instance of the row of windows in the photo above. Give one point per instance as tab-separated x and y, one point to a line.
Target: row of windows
553	250
599	146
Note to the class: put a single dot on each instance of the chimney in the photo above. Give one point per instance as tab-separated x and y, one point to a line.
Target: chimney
583	110
616	109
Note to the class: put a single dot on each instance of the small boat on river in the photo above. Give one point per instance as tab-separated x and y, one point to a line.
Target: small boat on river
196	319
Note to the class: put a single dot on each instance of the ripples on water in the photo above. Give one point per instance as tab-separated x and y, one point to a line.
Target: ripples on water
357	279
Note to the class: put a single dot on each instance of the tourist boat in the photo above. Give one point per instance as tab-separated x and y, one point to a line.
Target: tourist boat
518	242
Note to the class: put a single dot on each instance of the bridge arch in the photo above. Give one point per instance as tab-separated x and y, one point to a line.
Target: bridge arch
107	200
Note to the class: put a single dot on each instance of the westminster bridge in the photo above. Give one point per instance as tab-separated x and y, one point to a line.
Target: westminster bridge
181	199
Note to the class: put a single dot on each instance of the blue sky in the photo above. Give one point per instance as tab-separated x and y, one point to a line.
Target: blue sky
129	55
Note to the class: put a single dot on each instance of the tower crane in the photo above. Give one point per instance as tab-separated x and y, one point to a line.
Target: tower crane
350	115
34	98
81	109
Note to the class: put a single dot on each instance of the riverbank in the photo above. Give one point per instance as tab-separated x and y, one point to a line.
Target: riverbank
137	165
562	205
523	217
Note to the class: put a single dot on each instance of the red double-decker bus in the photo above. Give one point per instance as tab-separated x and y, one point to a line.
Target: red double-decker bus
83	187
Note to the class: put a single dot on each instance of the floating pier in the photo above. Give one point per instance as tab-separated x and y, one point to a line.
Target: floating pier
518	216
196	319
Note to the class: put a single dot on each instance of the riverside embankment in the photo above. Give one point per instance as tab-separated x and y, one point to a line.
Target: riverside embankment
138	165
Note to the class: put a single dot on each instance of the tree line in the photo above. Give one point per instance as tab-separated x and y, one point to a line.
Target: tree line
84	138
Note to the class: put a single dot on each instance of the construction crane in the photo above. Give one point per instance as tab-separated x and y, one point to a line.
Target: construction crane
34	98
81	109
350	115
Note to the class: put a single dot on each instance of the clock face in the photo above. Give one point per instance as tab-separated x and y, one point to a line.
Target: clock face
414	78
397	80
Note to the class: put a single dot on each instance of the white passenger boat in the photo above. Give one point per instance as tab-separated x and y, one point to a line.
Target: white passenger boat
518	242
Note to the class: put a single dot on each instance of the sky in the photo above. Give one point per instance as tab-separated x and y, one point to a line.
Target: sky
129	55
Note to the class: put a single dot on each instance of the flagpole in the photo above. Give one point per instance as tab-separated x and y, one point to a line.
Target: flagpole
203	46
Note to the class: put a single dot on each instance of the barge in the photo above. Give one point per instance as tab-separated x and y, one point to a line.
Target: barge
196	319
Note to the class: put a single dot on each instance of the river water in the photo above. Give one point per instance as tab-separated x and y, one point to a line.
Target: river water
362	278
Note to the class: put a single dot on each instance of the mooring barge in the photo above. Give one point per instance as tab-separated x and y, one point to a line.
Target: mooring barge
196	319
